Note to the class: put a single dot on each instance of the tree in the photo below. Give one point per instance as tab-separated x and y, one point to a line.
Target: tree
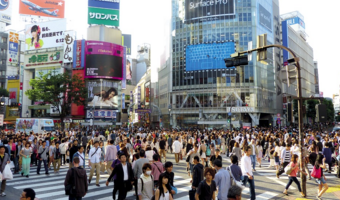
330	109
311	111
337	118
58	90
4	92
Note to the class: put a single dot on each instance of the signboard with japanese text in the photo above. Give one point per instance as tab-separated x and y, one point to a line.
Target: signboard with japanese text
6	11
43	59
104	60
45	34
139	97
101	114
42	8
68	46
142	111
108	4
104	94
77	63
13	48
124	70
103	16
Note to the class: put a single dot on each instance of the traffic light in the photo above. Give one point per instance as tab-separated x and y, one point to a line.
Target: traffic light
321	112
236	61
288	72
228	120
289	112
261	42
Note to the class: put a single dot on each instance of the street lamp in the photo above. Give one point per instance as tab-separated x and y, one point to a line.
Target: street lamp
27	114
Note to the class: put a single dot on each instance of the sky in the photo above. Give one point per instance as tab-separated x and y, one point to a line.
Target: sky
145	19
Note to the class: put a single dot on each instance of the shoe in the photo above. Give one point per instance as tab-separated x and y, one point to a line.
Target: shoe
22	173
38	173
286	193
89	181
47	173
97	185
3	194
260	166
303	195
27	176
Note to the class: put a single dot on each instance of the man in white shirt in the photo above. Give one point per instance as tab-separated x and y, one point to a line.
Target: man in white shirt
176	146
247	174
94	162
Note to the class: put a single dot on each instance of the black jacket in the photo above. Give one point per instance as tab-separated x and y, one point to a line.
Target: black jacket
73	150
197	174
118	171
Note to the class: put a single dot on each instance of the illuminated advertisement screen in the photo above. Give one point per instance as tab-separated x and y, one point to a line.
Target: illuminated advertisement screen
103	94
207	10
208	56
104	60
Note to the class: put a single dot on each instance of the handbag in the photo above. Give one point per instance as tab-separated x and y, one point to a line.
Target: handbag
316	173
7	173
288	169
192	194
233	180
71	187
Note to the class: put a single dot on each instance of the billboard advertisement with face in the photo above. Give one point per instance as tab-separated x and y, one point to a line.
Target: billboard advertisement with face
207	10
104	60
42	8
103	94
45	34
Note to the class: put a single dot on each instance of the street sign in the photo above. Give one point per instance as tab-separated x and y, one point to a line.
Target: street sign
279	121
278	115
1	120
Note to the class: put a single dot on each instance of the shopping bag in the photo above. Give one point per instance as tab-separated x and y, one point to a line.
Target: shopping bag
102	167
7	173
11	165
192	194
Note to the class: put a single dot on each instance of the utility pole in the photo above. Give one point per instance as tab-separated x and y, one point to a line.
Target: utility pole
238	59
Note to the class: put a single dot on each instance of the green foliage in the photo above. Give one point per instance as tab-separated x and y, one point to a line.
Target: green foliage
310	108
4	92
337	118
59	90
330	109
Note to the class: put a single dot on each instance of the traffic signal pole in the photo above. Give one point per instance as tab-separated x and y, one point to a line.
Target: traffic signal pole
299	99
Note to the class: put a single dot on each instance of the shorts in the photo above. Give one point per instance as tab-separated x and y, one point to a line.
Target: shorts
320	180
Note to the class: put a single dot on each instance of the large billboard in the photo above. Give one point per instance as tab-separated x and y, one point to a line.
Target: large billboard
128	71
45	34
265	18
104	60
208	56
108	4
47	58
13	48
103	94
42	8
103	16
6	11
126	41
200	11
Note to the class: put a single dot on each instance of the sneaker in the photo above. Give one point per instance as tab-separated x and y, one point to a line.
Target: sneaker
38	173
97	185
47	173
89	181
27	176
3	194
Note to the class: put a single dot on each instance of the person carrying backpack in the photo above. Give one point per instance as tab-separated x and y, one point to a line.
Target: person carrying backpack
145	183
76	185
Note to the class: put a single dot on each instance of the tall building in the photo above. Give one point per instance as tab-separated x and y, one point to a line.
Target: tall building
202	91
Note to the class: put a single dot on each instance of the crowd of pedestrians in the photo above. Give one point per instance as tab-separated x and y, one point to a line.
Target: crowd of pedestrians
136	159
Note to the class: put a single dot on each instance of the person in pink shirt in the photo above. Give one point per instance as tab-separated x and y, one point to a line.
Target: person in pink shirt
292	176
157	169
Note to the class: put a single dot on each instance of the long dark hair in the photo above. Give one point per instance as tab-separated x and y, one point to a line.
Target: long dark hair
160	184
35	28
106	95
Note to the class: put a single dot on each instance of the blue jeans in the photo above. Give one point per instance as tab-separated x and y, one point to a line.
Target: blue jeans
16	164
253	160
291	179
251	186
45	166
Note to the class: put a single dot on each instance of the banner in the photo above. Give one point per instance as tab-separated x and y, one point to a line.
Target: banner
68	46
42	8
147	95
47	58
104	60
124	70
6	11
103	16
101	114
45	34
139	96
103	94
13	48
77	63
123	101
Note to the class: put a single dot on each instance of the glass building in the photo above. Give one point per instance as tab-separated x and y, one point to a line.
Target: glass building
204	93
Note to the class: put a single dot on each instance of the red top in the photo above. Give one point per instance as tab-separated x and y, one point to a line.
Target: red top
293	173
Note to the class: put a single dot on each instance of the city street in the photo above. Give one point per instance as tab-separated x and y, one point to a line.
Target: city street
267	186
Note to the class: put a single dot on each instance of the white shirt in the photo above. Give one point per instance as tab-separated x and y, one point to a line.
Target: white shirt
95	157
254	151
81	158
177	146
246	166
126	176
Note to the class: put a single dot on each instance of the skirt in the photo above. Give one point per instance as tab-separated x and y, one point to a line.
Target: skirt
259	155
203	155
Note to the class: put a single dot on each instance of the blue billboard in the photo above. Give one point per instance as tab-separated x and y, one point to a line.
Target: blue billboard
208	56
285	41
296	20
108	4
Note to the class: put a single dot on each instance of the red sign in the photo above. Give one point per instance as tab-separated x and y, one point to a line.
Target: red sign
20	85
78	57
278	115
147	95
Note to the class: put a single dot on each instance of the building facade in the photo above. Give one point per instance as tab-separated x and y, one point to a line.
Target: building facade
203	92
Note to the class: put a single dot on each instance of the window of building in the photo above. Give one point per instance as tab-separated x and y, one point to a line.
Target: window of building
4	40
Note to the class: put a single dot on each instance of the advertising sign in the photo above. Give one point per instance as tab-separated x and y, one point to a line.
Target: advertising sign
131	101
13	92
139	97
208	56
104	60
103	94
97	114
128	70
147	95
103	16
240	109
6	11
77	63
143	111
265	18
13	48
296	20
123	101
126	41
108	4
45	34
124	70
43	59
68	46
42	8
200	11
